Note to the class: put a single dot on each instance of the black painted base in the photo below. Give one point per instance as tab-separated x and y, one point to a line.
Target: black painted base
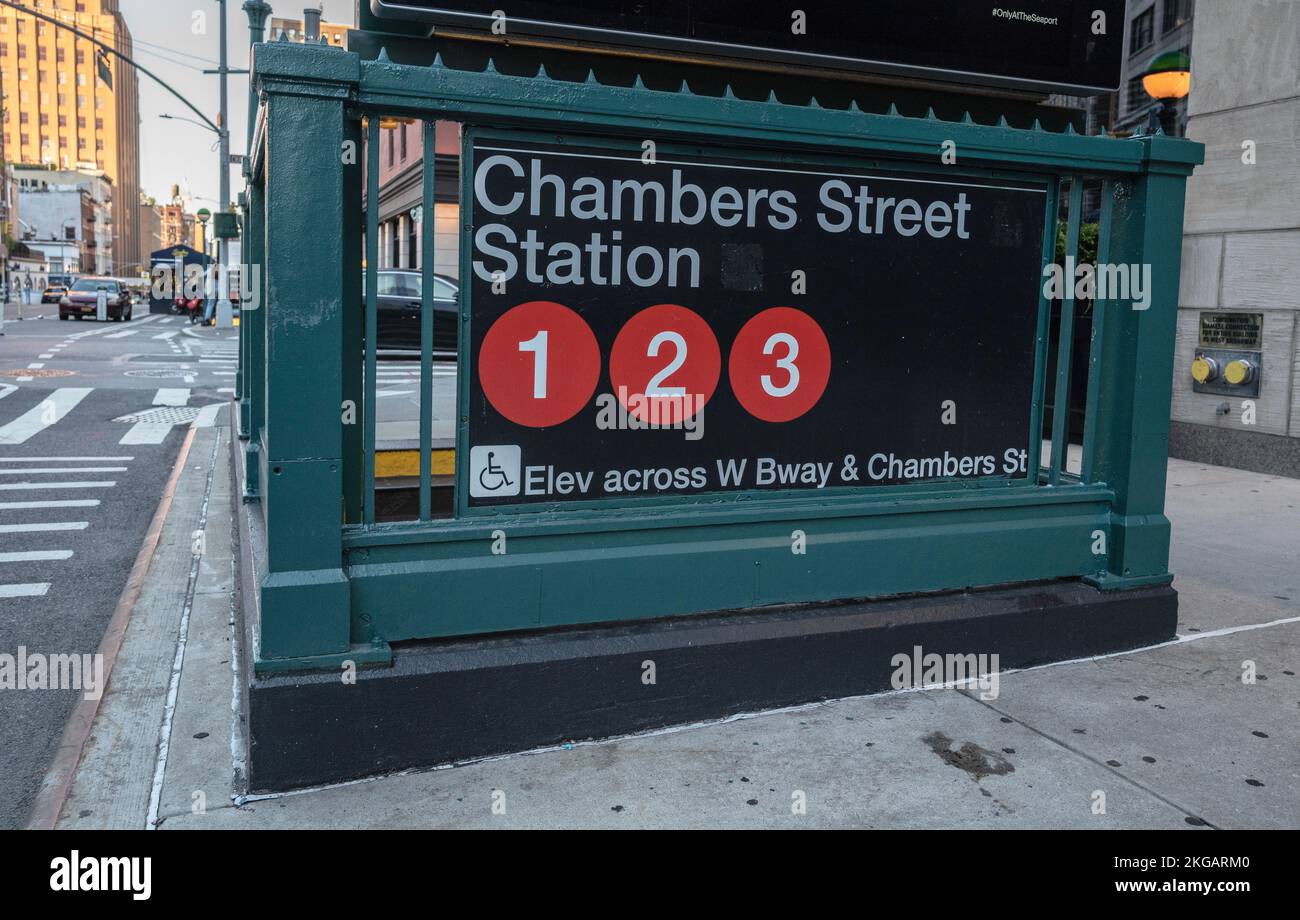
455	700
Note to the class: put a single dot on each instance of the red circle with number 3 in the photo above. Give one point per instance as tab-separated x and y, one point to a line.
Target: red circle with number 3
780	364
665	364
539	364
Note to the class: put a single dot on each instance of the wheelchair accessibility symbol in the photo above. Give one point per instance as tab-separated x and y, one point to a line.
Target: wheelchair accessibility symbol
494	470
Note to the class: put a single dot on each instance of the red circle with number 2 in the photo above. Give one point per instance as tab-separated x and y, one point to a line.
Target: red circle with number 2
780	364
665	364
539	364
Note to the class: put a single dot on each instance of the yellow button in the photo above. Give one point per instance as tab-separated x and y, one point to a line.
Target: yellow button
1202	369
1238	372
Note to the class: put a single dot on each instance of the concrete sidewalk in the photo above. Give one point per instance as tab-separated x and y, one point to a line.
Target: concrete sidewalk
15	311
1165	737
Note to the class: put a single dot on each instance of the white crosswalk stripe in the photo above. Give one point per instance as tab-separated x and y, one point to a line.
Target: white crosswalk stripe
31	506
66	459
207	416
28	486
167	335
27	590
52	409
44	528
58	470
123	334
178	396
104	330
25	540
40	555
147	433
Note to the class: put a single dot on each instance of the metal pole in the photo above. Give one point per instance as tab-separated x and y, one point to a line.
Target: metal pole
311	25
225	312
257	11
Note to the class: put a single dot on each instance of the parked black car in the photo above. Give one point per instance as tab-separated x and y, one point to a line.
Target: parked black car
82	299
398	316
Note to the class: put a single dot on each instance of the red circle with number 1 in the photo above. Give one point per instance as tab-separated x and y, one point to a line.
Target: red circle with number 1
539	364
665	364
780	364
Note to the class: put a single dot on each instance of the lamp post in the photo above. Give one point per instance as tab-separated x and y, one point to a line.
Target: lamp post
1168	79
202	215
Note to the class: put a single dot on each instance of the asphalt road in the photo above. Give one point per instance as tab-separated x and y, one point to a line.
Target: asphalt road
78	488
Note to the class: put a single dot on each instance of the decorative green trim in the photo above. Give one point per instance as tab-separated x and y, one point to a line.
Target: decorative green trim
368	655
338	588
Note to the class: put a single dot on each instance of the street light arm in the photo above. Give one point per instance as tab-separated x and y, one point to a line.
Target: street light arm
188	120
111	50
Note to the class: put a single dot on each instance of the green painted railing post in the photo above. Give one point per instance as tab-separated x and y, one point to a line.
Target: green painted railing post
1137	352
306	609
252	336
241	386
354	321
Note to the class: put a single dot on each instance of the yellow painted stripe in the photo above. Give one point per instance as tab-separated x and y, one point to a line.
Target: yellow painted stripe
391	464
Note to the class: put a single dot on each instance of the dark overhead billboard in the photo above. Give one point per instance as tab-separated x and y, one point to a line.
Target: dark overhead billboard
1072	46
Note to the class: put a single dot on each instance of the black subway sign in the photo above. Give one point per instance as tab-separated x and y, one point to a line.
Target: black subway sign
1045	46
650	323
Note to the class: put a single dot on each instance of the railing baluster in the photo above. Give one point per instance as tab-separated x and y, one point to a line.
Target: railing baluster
428	229
1065	340
1086	469
1043	335
372	312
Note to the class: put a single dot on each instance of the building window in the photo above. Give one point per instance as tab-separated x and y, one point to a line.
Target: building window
81	122
45	120
4	49
22	52
63	121
1135	95
99	124
1143	31
392	148
40	53
60	55
402	129
1177	13
22	117
81	57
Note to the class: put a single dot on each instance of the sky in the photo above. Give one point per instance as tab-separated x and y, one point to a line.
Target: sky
176	45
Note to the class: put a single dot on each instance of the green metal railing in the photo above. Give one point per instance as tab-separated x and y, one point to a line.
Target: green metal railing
337	583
